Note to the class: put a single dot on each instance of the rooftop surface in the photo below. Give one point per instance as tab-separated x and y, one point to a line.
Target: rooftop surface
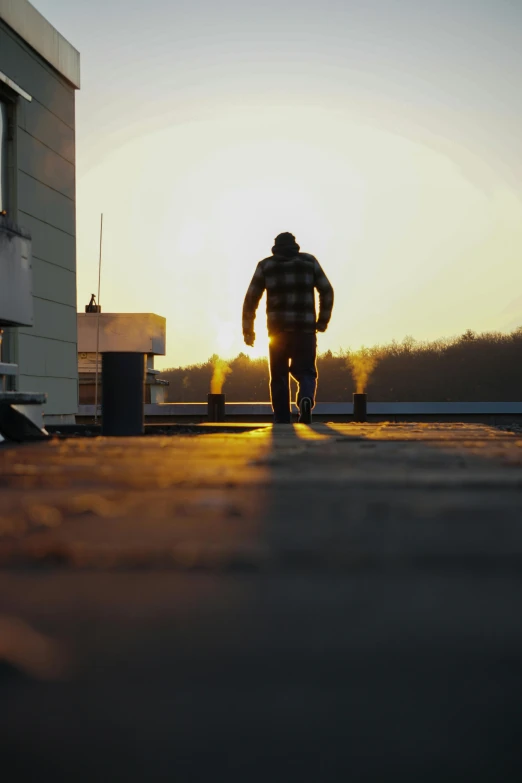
290	603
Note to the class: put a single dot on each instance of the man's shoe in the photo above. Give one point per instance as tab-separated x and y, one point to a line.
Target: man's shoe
305	409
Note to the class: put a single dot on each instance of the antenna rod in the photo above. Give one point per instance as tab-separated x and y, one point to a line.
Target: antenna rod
98	325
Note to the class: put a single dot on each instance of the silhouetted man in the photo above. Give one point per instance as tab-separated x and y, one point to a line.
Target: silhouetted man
290	279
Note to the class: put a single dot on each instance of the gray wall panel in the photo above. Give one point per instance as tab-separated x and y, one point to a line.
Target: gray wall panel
53	282
42	357
40	123
45	204
41	163
57	355
62	393
32	355
44	84
53	320
45	194
49	243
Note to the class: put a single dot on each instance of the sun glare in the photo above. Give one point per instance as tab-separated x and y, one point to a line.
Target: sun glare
389	217
260	348
229	343
226	337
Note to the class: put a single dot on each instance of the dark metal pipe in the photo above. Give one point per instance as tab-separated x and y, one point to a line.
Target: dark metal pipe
123	393
359	407
216	407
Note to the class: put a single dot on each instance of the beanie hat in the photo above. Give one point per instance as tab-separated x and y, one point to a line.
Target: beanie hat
285	245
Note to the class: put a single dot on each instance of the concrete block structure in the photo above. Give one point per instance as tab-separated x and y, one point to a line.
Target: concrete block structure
39	75
143	333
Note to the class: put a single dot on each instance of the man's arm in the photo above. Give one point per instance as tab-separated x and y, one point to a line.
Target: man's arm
253	295
326	297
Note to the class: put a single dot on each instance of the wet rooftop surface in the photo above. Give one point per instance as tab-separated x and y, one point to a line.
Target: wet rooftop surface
290	603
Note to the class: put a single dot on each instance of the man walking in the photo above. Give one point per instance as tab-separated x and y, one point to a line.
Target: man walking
290	279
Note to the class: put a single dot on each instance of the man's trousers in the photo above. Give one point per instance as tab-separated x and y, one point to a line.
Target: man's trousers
292	353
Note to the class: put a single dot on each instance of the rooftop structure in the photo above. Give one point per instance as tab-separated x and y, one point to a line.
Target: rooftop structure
35	30
143	333
39	74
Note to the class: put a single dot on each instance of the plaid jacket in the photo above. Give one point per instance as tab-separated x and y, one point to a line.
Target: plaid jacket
290	285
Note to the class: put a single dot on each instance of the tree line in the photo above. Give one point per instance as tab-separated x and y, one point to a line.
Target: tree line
468	368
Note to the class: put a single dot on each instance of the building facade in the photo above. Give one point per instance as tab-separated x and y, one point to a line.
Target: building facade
39	76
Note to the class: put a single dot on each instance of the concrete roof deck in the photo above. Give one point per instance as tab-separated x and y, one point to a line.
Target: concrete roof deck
294	603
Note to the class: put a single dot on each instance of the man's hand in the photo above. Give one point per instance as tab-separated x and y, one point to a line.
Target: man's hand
249	338
320	327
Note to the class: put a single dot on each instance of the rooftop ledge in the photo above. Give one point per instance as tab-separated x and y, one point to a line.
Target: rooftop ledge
241	409
36	31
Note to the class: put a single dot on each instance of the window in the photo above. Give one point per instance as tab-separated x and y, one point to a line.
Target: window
3	155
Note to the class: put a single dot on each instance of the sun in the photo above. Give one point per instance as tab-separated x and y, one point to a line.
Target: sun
229	342
260	349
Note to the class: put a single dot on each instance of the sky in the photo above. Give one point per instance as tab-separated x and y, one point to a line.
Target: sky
384	134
